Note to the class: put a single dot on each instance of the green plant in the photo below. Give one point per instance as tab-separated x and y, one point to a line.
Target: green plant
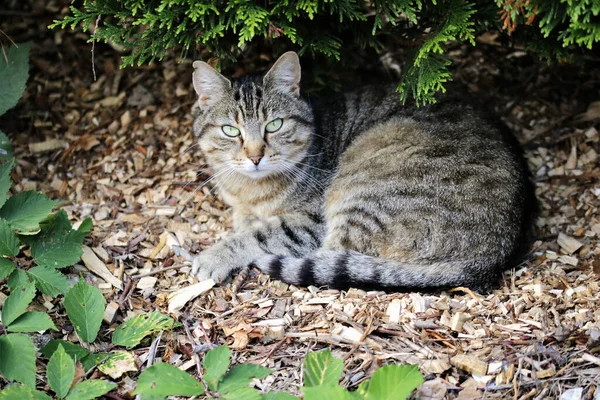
339	29
322	373
26	221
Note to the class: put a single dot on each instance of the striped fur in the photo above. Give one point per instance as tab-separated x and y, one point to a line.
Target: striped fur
359	190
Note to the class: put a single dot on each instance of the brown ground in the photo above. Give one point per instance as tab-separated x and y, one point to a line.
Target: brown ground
120	149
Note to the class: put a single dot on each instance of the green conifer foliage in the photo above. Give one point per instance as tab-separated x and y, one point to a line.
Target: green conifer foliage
333	29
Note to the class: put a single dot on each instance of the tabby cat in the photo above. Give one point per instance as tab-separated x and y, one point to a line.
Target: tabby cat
359	190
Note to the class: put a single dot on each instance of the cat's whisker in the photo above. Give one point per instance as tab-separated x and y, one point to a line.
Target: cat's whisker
222	180
201	185
303	178
190	148
314	155
310	166
304	174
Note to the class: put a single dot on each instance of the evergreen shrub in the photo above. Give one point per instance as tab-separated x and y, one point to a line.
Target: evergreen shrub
338	29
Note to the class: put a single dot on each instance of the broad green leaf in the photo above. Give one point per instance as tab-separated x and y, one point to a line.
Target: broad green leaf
17	362
60	372
14	71
163	379
94	359
327	392
246	393
85	307
17	302
117	364
6	267
5	181
241	375
25	210
6	151
132	331
18	392
49	281
89	390
9	242
215	365
391	382
321	368
57	245
32	321
278	396
18	278
76	352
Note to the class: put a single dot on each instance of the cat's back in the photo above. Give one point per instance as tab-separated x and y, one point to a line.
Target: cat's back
449	175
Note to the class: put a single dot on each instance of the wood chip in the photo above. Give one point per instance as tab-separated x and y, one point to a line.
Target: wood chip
95	265
572	160
572	394
546	372
110	312
568	244
393	311
435	366
470	364
180	297
458	321
48	145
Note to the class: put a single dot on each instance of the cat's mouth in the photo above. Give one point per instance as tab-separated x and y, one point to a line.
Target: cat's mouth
257	171
258	174
260	170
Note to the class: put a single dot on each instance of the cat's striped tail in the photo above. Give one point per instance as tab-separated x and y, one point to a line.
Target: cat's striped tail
345	269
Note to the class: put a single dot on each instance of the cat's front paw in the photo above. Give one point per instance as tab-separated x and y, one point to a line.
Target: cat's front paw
205	267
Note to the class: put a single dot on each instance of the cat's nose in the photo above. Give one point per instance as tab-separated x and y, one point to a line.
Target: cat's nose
255	159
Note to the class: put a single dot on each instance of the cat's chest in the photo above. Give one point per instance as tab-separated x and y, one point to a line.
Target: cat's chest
251	210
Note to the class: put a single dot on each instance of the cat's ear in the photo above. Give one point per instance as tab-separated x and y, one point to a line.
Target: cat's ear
285	74
210	85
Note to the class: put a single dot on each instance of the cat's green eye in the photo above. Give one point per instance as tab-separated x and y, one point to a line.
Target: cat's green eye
230	131
274	125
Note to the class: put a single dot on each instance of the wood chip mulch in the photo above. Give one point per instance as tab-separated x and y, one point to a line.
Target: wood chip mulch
120	150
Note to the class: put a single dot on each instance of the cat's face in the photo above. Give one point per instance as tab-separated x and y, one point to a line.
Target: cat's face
255	126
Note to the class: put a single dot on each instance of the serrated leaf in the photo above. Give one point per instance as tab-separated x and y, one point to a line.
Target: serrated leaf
32	321
163	379
76	352
89	390
215	365
132	331
94	359
25	210
5	169
321	368
246	393
18	358
326	392
391	382
57	245
61	372
241	375
49	281
278	396
17	302
6	267
14	71
18	392
9	243
117	364
6	151
18	278
85	307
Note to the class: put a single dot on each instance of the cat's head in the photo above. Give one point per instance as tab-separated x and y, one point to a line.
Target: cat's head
257	126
